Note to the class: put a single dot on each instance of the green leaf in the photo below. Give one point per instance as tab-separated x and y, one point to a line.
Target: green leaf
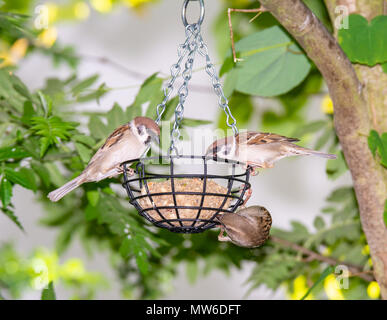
336	167
23	177
97	128
192	270
115	117
241	107
378	143
149	88
93	197
51	130
13	152
28	112
319	223
272	63
9	213
84	152
133	111
364	42
187	122
43	173
84	84
323	275
384	67
5	192
86	140
49	292
170	108
131	245
230	83
309	128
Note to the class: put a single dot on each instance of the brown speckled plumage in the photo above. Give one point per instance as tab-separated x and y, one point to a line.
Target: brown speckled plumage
249	227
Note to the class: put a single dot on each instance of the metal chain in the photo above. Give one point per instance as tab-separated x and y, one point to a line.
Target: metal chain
194	29
175	69
211	71
194	43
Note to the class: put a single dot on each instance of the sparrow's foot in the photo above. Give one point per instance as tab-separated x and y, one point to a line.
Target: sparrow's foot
252	168
249	192
129	171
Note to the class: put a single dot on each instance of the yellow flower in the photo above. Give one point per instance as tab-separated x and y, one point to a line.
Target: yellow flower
332	288
135	3
72	269
327	105
366	250
102	5
370	262
14	54
44	269
48	37
300	288
81	10
373	290
53	11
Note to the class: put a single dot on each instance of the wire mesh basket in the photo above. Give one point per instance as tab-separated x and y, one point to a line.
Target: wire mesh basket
185	202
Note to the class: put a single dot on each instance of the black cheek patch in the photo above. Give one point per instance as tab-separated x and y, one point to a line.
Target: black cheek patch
148	140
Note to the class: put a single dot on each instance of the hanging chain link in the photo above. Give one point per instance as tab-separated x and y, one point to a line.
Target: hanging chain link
193	44
211	71
194	29
175	72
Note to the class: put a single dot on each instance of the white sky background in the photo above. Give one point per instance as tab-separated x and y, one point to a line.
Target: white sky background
294	190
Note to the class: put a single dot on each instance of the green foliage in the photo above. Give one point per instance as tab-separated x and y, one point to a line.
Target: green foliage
329	270
41	147
272	64
49	292
378	144
364	42
40	269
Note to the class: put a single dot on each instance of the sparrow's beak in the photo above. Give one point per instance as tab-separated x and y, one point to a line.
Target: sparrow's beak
156	138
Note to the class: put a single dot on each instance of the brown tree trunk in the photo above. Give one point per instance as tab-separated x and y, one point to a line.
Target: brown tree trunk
360	104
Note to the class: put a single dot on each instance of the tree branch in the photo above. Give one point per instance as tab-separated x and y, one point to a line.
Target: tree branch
351	118
312	255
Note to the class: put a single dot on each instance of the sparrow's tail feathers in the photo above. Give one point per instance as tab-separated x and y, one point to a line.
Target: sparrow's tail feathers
306	151
59	193
323	154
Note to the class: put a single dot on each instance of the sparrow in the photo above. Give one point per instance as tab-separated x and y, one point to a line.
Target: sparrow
249	227
259	149
127	142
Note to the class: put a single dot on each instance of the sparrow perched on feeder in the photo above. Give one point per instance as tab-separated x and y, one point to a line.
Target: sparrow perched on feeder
127	142
259	149
249	227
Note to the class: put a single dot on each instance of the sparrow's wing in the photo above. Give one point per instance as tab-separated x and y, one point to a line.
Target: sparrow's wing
113	139
115	136
257	138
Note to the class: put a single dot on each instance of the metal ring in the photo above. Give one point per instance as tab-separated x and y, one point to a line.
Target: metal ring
184	12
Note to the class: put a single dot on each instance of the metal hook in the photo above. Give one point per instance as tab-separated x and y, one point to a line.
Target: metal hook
184	12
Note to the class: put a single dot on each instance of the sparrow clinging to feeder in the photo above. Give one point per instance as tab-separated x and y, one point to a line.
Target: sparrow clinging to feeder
249	227
127	142
259	150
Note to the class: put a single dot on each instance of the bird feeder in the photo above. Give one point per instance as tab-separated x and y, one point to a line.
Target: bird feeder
177	200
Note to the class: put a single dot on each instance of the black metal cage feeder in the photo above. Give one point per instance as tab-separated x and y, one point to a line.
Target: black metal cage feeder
173	215
180	201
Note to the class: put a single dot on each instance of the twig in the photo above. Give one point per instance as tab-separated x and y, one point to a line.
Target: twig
259	10
312	255
135	74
